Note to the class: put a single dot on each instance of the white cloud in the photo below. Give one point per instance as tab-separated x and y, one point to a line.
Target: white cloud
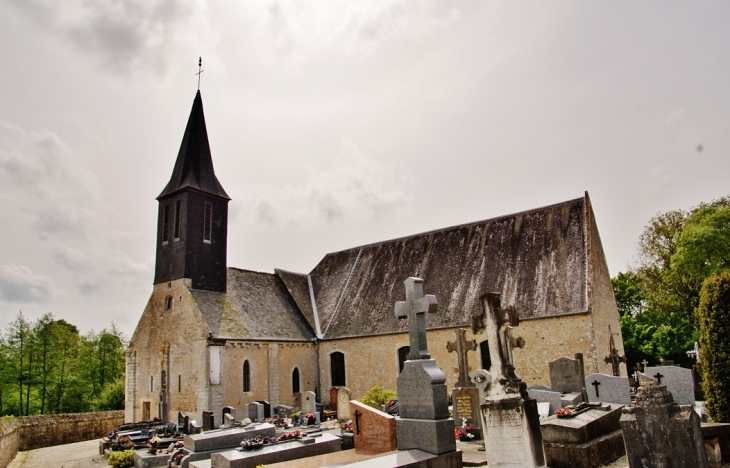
353	186
19	284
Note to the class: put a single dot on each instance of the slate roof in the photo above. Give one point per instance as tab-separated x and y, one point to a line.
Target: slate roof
194	164
536	259
256	306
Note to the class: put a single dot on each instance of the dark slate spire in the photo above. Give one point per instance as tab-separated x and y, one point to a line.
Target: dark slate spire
194	165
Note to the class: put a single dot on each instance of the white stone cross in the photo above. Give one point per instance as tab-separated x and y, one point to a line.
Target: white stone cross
414	309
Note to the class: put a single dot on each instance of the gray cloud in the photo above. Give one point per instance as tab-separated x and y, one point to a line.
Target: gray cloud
19	284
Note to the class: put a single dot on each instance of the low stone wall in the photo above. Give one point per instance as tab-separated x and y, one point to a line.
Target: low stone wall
57	429
8	440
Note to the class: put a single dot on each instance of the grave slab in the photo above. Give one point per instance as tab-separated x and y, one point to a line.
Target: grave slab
608	389
659	432
591	438
216	440
281	452
554	398
679	382
373	430
407	459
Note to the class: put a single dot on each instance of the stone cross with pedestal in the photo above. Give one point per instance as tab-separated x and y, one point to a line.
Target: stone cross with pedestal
423	422
512	424
465	395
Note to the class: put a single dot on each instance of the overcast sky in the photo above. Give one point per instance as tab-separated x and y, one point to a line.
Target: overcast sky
338	123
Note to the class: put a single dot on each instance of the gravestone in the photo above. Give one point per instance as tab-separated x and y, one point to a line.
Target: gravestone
230	438
608	389
679	382
183	422
511	421
333	398
208	421
267	408
591	437
343	403
373	430
552	398
567	375
423	422
465	395
228	420
193	428
255	411
308	402
539	387
285	411
658	432
228	410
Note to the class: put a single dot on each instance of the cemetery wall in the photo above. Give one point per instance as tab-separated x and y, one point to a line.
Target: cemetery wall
8	440
374	360
173	340
56	429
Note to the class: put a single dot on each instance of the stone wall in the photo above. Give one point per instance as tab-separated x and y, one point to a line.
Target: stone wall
8	440
57	429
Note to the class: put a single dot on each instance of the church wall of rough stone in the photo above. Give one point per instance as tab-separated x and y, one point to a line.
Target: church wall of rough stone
174	340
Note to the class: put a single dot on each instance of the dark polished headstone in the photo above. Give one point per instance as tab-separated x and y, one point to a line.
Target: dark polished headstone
208	421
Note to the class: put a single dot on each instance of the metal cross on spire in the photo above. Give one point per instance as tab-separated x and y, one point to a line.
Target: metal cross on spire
200	70
414	308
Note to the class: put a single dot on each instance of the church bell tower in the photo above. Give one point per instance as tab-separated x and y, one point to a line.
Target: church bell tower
192	220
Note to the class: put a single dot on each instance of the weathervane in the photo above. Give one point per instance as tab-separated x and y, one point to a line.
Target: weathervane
200	70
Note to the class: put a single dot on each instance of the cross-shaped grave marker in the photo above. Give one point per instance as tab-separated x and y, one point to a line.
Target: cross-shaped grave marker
414	309
695	353
461	346
596	383
658	377
645	362
357	420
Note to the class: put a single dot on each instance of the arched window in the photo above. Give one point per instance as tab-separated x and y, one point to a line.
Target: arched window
403	356
168	303
246	376
337	369
295	381
484	354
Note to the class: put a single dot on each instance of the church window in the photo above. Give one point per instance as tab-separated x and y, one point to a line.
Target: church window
152	383
168	303
165	222
403	356
177	219
295	381
179	383
207	222
246	376
163	381
484	354
337	369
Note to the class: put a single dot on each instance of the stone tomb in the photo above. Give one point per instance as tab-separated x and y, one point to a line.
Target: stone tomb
308	402
591	438
255	411
228	438
552	398
344	395
183	422
228	410
373	430
679	382
208	421
310	446
658	432
608	389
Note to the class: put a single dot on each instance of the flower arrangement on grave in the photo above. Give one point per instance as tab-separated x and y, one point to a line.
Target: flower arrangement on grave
466	432
291	435
346	426
179	444
309	418
123	443
178	459
257	442
563	412
153	445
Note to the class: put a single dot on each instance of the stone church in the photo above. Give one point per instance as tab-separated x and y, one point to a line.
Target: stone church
213	336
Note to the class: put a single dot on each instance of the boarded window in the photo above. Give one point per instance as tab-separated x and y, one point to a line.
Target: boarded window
295	381
177	219
484	354
168	303
337	369
207	221
246	376
403	357
165	222
215	365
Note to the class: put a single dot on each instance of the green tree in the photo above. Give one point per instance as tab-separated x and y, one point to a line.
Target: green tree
714	322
